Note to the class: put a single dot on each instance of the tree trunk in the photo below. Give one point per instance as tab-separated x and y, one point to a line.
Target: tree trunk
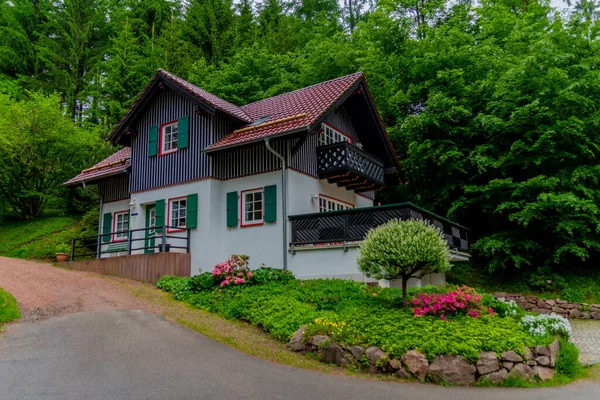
404	285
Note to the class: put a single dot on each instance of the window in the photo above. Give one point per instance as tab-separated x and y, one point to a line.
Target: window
168	138
331	135
252	207
152	221
177	213
121	226
327	204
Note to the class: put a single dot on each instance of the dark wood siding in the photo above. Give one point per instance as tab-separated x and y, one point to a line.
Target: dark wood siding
339	119
185	164
249	160
114	188
305	159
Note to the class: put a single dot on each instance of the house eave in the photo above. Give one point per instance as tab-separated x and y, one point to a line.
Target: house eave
301	129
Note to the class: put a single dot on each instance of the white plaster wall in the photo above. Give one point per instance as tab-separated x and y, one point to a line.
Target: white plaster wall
303	187
112	207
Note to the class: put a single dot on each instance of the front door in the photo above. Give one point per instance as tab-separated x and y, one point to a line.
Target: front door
150	232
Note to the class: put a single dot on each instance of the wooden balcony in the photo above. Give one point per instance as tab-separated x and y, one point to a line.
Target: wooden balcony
351	226
350	167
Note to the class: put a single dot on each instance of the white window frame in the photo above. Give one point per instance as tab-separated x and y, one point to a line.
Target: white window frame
328	204
175	222
253	221
120	232
152	221
330	135
169	144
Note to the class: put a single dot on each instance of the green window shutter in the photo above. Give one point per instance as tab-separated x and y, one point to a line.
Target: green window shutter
183	128
270	203
106	227
160	215
153	141
232	209
192	211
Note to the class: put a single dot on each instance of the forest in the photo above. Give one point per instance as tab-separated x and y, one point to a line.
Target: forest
493	106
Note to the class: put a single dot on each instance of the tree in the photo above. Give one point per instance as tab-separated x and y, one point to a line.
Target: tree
403	250
39	150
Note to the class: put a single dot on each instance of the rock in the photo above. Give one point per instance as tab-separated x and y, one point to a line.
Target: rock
542	351
375	354
507	365
595	314
531	363
527	353
395	364
500	295
586	315
452	369
551	303
558	301
488	362
521	371
333	354
554	349
297	341
496	377
402	374
371	369
318	340
542	304
544	373
574	313
538	310
525	306
559	310
569	306
512	357
357	352
416	363
543	361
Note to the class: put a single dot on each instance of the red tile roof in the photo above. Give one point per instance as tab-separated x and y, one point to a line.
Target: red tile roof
112	165
289	111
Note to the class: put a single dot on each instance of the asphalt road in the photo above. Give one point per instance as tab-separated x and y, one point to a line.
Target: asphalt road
128	354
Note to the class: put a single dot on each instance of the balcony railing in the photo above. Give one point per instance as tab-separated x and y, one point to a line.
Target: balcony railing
352	225
349	167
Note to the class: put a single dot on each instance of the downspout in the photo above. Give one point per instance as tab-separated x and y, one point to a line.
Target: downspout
98	245
283	199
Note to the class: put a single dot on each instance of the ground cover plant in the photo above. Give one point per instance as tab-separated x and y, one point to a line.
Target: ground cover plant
353	313
9	311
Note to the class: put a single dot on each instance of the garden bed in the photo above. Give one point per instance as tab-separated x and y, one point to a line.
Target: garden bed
361	327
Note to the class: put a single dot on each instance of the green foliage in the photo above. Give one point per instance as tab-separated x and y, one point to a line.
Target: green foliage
9	311
204	281
264	275
568	360
62	248
403	249
180	287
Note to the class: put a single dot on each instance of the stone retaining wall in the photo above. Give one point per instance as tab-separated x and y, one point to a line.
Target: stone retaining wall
557	306
538	361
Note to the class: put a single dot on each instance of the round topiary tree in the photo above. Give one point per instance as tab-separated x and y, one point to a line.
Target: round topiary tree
403	249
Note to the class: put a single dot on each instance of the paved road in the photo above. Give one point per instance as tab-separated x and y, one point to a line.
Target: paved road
129	354
586	335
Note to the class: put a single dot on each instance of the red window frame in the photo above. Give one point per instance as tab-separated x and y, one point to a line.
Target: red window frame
339	131
242	211
333	199
114	226
160	138
169	202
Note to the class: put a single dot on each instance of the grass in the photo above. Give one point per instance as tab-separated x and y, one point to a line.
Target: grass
9	311
576	286
39	238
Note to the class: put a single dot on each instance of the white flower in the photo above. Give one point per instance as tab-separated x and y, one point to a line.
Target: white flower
544	324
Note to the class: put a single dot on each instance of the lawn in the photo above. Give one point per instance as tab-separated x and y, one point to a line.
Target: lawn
8	307
38	238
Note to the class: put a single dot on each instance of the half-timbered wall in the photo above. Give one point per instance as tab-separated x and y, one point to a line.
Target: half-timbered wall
114	188
183	165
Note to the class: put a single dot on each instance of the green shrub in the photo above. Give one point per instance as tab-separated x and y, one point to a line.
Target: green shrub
204	281
403	250
9	311
568	360
264	275
179	286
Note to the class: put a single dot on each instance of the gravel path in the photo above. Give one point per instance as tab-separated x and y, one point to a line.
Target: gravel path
586	335
43	291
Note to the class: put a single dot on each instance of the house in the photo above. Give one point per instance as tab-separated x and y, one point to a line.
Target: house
289	180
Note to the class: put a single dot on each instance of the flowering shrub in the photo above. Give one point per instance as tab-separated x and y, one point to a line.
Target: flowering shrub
462	300
233	271
546	324
506	308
